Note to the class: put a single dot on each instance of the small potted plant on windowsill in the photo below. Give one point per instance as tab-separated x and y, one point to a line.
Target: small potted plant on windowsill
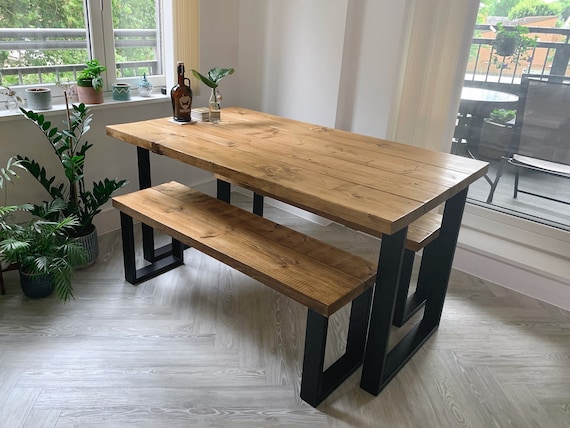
90	83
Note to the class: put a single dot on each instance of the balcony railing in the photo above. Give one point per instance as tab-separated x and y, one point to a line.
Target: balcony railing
550	56
16	40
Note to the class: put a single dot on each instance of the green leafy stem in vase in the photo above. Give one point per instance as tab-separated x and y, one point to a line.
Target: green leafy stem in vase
214	76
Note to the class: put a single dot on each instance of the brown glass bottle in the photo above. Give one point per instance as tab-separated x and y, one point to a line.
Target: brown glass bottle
181	96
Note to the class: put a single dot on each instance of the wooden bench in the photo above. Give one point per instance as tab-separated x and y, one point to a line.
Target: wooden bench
421	233
313	273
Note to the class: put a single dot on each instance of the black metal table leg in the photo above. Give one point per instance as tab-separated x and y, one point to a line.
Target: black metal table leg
442	261
390	264
380	366
317	384
223	193
150	253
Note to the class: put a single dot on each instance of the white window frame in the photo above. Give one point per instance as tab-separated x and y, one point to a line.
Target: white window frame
179	41
99	20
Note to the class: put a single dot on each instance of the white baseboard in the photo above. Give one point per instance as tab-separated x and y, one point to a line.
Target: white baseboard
523	256
533	283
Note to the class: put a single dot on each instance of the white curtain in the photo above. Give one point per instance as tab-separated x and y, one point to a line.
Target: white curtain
181	37
440	33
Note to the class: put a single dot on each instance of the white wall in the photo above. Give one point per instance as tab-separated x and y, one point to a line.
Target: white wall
291	56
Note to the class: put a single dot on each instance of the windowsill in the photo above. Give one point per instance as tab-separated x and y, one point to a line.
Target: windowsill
59	105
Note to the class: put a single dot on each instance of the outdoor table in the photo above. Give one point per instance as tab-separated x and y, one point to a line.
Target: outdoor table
479	103
368	184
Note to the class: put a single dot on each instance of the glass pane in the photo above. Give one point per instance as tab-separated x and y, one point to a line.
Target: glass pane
41	42
521	129
137	37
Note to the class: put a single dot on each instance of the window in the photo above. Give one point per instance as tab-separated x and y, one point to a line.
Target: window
492	118
50	40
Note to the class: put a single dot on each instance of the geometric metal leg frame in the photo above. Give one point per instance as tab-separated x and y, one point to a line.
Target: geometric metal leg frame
407	306
159	266
381	365
317	384
224	194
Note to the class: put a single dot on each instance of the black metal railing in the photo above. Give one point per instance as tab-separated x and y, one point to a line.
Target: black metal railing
547	57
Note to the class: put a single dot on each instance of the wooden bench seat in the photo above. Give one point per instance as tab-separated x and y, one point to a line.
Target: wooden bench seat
421	233
315	274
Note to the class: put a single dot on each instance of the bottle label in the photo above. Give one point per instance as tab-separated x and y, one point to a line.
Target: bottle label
185	103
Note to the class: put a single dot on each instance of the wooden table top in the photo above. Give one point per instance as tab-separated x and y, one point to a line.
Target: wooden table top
366	183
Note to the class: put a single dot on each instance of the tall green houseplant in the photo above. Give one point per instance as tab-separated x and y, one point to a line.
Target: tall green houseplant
70	149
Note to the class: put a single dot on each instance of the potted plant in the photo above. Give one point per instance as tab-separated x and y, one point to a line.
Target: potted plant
43	251
80	202
7	174
496	134
39	98
90	83
214	76
511	43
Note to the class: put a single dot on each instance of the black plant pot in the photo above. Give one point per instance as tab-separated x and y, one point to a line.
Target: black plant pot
36	286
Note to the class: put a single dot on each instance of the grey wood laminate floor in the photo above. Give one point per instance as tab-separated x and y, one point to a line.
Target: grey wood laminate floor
204	345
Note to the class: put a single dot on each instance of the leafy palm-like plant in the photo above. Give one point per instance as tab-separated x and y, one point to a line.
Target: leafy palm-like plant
70	148
43	247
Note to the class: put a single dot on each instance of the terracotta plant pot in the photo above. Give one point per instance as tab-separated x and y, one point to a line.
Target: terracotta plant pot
87	94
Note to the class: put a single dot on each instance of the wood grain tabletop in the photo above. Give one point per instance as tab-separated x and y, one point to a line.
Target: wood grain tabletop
366	183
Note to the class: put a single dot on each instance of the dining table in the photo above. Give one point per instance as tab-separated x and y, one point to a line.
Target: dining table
369	184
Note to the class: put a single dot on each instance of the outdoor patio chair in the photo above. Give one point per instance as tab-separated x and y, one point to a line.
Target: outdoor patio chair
542	132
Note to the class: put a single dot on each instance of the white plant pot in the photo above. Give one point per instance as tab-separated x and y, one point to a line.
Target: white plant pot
38	98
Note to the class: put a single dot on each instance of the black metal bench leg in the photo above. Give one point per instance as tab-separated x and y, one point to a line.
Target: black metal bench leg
258	204
136	276
223	190
407	306
317	384
402	299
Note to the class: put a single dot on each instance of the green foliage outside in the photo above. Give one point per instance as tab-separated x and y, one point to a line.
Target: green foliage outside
127	14
515	9
534	8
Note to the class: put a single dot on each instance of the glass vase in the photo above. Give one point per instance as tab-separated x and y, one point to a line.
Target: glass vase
214	105
11	104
